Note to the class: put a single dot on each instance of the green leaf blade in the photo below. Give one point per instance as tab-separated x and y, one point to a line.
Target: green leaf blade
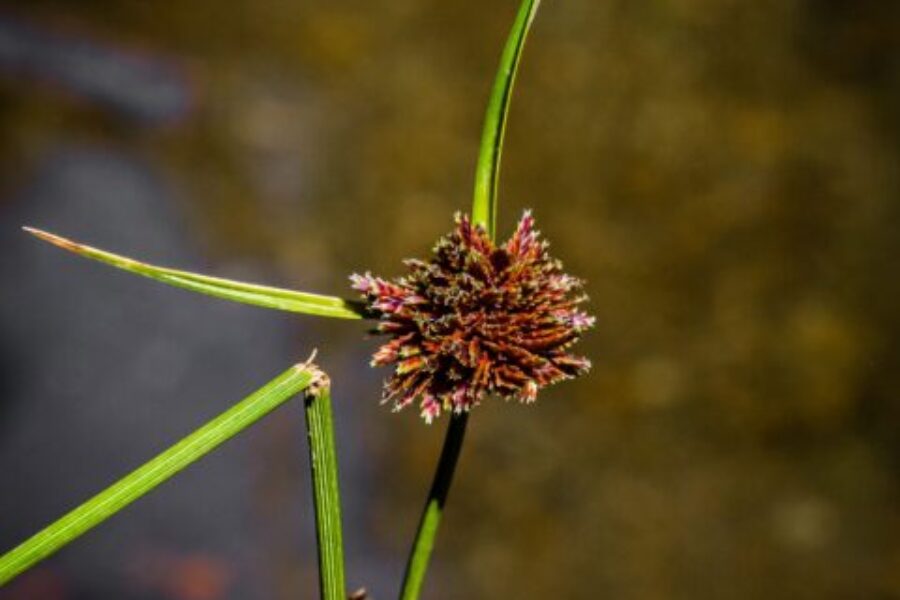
156	471
237	291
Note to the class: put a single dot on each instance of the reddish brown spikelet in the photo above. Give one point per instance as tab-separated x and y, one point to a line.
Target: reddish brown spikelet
477	319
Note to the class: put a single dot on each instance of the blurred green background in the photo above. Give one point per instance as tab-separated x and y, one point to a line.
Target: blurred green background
723	173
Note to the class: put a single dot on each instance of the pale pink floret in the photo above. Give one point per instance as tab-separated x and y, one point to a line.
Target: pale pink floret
459	399
581	321
431	408
362	283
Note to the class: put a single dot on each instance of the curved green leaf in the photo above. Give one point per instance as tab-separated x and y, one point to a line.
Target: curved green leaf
487	170
247	293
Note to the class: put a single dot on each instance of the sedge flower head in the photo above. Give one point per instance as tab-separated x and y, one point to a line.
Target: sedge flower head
477	319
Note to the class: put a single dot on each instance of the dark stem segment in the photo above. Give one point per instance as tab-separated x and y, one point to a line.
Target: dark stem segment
434	508
326	496
155	472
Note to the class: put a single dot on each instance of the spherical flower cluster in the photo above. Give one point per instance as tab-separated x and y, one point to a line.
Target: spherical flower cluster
477	319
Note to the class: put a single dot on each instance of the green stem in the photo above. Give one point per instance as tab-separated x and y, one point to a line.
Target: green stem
487	170
156	471
434	508
326	497
484	212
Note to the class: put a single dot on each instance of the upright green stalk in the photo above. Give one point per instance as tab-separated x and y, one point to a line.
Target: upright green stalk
484	212
156	471
326	497
487	170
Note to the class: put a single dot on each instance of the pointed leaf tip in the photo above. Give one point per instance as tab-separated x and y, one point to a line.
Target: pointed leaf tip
237	291
51	238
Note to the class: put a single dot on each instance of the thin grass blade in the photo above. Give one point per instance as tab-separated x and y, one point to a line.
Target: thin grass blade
487	170
247	293
155	472
326	495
